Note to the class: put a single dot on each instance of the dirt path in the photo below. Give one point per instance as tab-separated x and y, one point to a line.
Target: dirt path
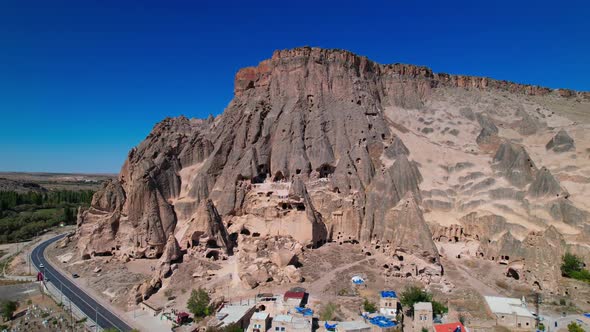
482	288
318	286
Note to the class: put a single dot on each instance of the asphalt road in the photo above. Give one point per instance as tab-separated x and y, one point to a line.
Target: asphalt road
103	317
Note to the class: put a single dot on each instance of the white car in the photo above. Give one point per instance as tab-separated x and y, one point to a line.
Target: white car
41	266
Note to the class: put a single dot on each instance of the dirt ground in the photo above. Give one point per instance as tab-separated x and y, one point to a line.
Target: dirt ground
327	273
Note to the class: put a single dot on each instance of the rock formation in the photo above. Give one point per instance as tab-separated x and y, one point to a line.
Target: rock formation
561	142
320	146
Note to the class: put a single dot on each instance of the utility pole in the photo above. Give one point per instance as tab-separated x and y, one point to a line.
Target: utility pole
537	304
72	315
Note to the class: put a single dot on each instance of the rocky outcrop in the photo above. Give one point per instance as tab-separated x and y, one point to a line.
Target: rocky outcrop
205	233
489	131
515	164
388	188
561	142
271	259
538	256
545	185
396	148
563	210
406	231
308	150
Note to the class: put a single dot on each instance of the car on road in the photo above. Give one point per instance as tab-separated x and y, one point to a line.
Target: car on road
41	266
75	275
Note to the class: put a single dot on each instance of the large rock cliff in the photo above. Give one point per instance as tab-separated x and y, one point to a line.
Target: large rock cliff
321	145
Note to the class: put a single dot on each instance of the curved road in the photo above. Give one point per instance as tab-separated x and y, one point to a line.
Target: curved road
94	310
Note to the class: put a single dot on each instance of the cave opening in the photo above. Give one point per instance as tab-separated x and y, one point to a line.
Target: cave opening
325	170
512	273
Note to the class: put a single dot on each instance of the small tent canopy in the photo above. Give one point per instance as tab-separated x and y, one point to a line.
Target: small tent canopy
357	280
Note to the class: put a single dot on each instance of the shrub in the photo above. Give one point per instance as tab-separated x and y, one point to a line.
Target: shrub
8	308
574	327
573	267
198	304
369	306
562	302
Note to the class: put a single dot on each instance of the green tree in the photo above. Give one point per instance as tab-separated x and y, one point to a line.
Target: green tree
574	327
412	295
369	306
198	303
571	263
573	267
8	308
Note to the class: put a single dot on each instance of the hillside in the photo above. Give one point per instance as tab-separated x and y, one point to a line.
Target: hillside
323	146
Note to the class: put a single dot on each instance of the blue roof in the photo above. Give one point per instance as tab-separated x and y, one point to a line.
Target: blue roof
587	315
382	321
304	311
388	294
329	326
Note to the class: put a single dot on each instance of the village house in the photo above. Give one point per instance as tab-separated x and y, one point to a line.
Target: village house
388	303
511	312
293	299
423	316
234	314
290	323
259	322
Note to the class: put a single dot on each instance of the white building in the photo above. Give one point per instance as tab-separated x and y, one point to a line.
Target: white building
290	323
511	312
259	322
231	314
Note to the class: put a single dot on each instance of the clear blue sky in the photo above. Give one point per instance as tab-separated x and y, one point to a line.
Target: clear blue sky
82	81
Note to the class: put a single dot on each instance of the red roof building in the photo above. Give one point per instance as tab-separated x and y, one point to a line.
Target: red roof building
294	295
450	327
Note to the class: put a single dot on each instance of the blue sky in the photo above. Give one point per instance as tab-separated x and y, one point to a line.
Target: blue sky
81	82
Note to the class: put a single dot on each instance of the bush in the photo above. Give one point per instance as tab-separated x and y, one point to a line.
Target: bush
198	304
8	308
328	311
562	302
573	267
574	327
369	306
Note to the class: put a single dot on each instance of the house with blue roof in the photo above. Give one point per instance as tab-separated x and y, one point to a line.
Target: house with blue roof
388	303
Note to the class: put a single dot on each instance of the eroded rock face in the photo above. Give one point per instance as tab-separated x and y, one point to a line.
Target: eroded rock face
536	258
561	142
515	164
307	152
545	185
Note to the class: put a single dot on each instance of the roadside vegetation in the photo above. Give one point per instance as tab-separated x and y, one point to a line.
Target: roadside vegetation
413	294
24	215
573	267
7	309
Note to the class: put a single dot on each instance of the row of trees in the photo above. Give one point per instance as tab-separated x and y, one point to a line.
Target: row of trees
11	199
25	215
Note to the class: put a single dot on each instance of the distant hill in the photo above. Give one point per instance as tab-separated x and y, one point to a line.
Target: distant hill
41	182
20	186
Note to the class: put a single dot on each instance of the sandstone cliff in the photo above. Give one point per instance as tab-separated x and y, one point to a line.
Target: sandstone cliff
324	145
